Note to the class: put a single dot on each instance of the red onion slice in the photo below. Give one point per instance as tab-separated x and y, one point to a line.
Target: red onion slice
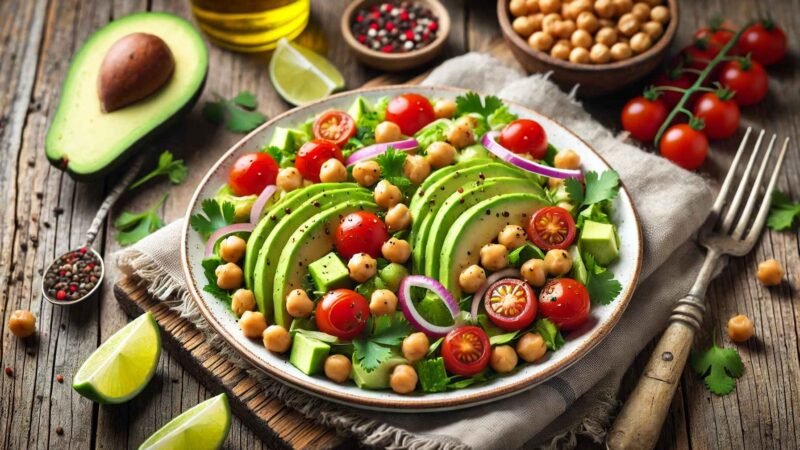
410	311
261	201
224	231
377	149
478	296
490	142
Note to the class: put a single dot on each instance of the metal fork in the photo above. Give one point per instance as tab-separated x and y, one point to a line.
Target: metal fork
639	423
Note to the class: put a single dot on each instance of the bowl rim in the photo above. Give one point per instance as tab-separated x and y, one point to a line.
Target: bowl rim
412	404
661	44
438	10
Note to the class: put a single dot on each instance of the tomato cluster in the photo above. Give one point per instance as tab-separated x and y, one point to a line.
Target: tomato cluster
713	103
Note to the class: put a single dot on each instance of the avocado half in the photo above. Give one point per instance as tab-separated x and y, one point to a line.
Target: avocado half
88	143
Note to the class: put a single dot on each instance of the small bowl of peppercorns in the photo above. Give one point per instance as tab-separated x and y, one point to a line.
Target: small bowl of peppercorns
395	35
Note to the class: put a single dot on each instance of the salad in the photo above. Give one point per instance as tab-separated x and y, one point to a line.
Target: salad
414	244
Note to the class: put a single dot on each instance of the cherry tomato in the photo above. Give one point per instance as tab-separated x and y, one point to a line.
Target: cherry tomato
677	79
313	154
684	146
410	112
251	173
747	78
765	42
511	304
552	227
642	117
565	302
466	351
716	38
342	313
698	55
335	126
361	232
721	117
525	136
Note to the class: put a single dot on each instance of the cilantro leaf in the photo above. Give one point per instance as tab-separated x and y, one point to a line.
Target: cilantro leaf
370	354
549	332
432	375
602	286
599	188
574	189
783	212
135	226
720	367
174	169
390	330
383	333
216	217
471	103
246	99
210	265
238	115
391	163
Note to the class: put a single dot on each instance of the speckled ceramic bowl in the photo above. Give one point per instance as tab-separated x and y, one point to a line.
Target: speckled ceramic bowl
579	342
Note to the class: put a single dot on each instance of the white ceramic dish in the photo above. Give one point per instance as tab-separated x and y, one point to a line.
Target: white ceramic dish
579	342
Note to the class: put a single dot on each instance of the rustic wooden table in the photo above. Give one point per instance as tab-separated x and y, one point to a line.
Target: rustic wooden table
45	213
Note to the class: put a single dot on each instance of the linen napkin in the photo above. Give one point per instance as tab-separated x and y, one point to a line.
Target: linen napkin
671	202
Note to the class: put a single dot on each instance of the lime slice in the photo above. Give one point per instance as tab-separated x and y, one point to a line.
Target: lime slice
204	426
123	365
301	75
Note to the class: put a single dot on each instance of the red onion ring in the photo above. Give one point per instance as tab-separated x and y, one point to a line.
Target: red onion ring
377	149
490	142
410	311
224	231
261	201
478	296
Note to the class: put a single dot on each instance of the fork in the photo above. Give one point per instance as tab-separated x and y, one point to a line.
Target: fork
729	230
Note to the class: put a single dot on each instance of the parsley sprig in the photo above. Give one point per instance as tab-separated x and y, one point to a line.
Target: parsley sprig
216	216
238	114
135	226
383	333
719	367
783	212
472	103
174	169
598	188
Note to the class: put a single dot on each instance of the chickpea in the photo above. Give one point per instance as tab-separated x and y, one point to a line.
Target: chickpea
620	51
229	276
554	183
243	300
606	36
531	347
599	54
22	323
659	14
640	42
622	6
568	11
332	171
416	168
522	26
557	262
445	109
518	8
653	29
396	250
298	304
468	121
277	339
387	132
540	41
581	39
535	21
550	6
740	328
252	324
770	273
367	173
512	236
289	179
397	218
403	379
567	159
460	135
532	5
564	28
362	267
628	25
552	27
533	271
587	21
654	3
641	11
472	278
606	23
503	359
337	368
579	55
604	9
494	257
561	50
549	19
581	6
232	248
382	302
440	154
386	194
415	347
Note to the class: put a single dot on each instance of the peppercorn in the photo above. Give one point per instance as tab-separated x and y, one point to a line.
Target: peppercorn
73	275
60	378
9	371
395	27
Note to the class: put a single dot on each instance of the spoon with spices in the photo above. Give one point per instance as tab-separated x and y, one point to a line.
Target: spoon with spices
78	273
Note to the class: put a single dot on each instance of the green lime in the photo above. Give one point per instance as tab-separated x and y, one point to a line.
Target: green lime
301	75
123	365
204	426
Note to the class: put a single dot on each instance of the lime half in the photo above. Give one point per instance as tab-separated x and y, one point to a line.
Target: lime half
301	75
123	365
204	426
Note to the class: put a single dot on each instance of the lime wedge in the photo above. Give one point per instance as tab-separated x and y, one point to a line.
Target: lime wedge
301	75
123	365
204	426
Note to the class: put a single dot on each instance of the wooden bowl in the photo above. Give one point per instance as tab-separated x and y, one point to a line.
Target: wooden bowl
595	79
394	62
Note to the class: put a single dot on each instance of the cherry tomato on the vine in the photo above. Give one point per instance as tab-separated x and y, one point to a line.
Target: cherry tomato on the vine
342	313
764	41
721	117
698	55
510	304
410	112
360	232
717	35
335	126
565	302
251	173
552	228
466	351
525	136
642	117
747	78
684	146
680	80
313	154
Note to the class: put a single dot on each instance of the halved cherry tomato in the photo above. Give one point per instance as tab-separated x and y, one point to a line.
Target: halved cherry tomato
764	41
525	136
466	351
747	78
360	232
251	173
335	126
342	313
511	304
721	117
565	302
410	112
684	146
313	154
674	78
642	117
552	227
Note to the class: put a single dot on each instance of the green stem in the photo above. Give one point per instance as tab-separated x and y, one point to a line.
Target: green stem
143	180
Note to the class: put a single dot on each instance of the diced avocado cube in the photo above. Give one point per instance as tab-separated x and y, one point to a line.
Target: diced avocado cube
359	107
599	240
329	272
578	271
392	275
379	377
308	354
281	138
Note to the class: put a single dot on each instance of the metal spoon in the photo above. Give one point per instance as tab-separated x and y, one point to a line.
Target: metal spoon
94	229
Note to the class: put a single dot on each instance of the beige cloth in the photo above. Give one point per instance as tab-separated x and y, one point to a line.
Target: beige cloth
672	203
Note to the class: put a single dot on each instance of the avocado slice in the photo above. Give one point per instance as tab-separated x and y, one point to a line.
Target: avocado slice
329	272
578	271
599	240
379	377
434	232
359	107
308	354
437	175
243	205
310	241
88	143
478	226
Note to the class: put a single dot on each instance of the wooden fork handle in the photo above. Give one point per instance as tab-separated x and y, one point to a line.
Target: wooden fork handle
639	423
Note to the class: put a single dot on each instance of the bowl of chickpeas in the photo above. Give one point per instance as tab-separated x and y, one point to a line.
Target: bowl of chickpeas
603	45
